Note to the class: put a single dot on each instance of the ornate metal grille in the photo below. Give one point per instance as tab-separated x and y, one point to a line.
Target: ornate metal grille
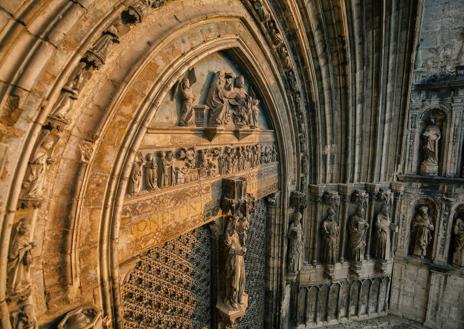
170	286
255	266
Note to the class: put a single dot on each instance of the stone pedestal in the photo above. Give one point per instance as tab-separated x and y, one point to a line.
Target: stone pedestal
384	266
201	115
428	169
229	314
359	269
334	272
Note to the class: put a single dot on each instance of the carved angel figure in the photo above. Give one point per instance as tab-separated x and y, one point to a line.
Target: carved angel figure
20	259
295	244
330	232
151	172
458	243
135	178
422	232
358	232
382	242
235	265
186	98
26	318
35	181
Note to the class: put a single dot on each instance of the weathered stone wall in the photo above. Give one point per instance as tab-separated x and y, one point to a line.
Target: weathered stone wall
428	282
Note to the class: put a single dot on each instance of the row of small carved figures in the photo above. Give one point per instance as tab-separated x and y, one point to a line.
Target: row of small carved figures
163	169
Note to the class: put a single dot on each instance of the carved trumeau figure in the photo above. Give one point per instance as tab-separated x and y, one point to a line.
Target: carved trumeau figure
82	318
135	178
151	172
186	98
431	138
295	243
358	232
20	260
421	232
458	242
235	265
167	173
330	232
382	242
34	183
26	318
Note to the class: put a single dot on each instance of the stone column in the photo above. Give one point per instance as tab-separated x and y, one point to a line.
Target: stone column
316	198
372	189
345	193
397	189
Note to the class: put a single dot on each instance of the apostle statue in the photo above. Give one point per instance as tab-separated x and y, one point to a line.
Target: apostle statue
330	232
20	259
235	265
358	232
295	243
383	225
151	172
458	242
422	232
431	138
35	181
167	173
135	178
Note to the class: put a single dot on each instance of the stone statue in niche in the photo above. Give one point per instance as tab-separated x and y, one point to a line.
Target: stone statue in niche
330	232
34	183
167	173
82	318
26	318
151	172
383	225
458	242
20	260
135	178
187	98
295	243
358	232
430	149
235	265
421	232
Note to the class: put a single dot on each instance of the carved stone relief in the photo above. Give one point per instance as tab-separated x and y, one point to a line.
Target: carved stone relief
330	232
20	260
458	242
185	165
430	149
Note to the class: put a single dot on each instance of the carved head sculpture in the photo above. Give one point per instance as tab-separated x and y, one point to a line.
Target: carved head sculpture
185	83
385	210
297	217
229	79
360	211
240	81
23	227
48	142
331	214
424	210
